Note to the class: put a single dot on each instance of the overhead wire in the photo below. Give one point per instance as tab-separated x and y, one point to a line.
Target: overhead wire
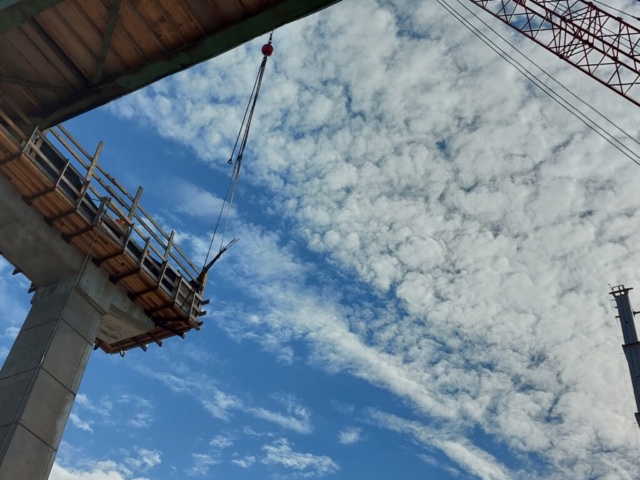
561	85
542	86
545	88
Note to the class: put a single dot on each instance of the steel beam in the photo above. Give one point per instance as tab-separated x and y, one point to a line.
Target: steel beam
205	48
14	13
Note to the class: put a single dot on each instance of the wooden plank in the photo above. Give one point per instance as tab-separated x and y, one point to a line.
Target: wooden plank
9	100
21	179
15	128
25	101
27	63
135	203
121	44
139	33
68	41
231	12
8	141
15	13
71	150
207	14
63	76
81	28
185	23
159	24
40	54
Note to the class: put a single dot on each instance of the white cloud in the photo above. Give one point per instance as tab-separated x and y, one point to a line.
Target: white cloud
350	435
192	200
296	418
145	459
221	442
250	432
245	462
143	416
102	409
202	462
344	408
280	453
11	332
138	412
301	424
79	423
219	404
485	219
101	471
13	296
4	351
72	465
141	420
429	460
471	458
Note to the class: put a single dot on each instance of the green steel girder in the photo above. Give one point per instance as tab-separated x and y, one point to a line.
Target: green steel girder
14	13
205	48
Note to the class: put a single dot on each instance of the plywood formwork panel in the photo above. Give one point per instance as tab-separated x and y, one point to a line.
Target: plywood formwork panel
65	59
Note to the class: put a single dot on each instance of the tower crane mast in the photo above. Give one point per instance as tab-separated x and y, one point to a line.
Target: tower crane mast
591	39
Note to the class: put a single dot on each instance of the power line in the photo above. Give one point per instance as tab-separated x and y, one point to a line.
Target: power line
542	86
615	9
616	126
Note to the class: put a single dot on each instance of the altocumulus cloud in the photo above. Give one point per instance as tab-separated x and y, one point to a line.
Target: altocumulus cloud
133	466
280	453
487	219
350	435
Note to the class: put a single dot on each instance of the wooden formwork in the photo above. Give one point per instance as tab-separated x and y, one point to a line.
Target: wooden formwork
96	214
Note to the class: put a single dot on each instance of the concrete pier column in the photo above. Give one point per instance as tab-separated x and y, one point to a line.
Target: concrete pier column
42	373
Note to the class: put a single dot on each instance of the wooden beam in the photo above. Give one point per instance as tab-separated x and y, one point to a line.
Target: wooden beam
23	82
134	204
155	339
106	41
207	47
140	344
14	13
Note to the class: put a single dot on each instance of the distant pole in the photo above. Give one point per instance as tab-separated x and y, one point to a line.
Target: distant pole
631	346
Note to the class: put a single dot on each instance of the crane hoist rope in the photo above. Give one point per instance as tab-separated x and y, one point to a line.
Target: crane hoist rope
235	159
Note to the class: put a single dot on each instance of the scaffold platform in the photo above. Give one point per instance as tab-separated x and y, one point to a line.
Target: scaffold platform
94	212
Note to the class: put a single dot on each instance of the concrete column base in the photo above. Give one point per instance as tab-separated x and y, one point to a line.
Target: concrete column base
41	376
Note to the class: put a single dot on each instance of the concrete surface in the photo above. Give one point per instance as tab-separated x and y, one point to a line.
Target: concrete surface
42	373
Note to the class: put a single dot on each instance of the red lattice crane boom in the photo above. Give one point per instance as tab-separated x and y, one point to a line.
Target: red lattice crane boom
591	39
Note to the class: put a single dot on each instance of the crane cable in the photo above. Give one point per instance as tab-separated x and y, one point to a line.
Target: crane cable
587	104
240	145
541	85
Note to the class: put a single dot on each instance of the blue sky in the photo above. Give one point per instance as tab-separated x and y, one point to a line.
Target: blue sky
420	288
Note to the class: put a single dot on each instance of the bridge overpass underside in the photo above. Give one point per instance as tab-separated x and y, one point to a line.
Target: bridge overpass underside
61	58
